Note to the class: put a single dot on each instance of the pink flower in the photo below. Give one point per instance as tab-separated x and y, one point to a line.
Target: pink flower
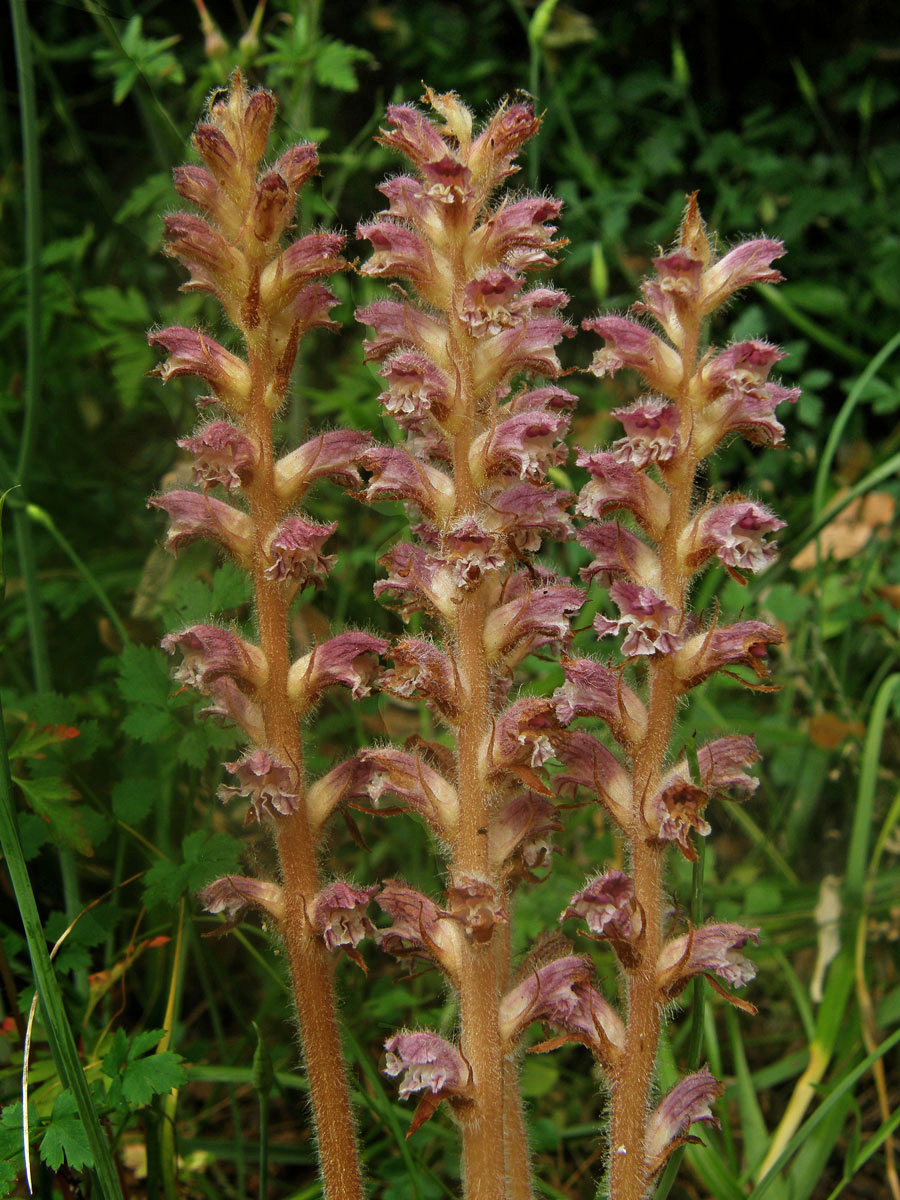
608	908
471	552
199	186
519	232
652	623
545	612
633	345
413	136
722	764
309	310
233	893
273	208
417	580
549	399
526	346
420	669
345	781
616	485
524	734
591	766
331	456
304	260
426	1063
493	151
298	165
478	907
214	265
295	552
209	652
527	511
407	776
736	532
232	706
520	832
195	516
593	690
418	927
688	1102
617	552
270	785
675	812
338	914
415	387
222	455
192	353
750	262
710	949
349	659
651	429
560	993
742	644
741	398
524	444
399	325
398	252
396	475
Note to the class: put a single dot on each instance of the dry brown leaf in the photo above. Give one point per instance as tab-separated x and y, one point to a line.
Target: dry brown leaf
849	532
828	730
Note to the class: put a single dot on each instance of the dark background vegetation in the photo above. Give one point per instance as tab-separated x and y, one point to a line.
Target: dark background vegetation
785	117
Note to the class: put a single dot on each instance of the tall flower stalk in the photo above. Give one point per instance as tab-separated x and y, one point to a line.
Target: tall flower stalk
272	294
473	472
696	398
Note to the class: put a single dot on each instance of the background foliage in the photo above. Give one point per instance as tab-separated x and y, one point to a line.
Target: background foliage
786	122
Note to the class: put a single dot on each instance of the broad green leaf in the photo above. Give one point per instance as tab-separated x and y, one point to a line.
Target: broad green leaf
65	1137
206	857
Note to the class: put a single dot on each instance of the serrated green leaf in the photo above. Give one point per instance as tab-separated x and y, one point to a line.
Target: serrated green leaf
54	800
206	857
65	1137
154	1075
333	65
31	739
144	677
148	725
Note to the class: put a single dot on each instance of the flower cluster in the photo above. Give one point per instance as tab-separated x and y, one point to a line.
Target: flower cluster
647	558
457	346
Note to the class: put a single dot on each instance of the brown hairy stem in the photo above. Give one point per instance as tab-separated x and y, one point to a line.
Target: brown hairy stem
308	959
632	1084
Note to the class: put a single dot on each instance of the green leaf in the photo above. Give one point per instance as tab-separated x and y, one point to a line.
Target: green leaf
54	800
65	1137
144	677
132	799
206	857
138	1076
333	65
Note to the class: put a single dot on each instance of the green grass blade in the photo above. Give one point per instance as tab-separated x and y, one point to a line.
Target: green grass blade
59	1032
837	429
827	1106
858	854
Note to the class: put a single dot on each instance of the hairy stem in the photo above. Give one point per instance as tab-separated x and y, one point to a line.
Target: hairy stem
633	1083
308	959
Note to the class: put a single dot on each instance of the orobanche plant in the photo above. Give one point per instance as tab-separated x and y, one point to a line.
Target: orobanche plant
458	344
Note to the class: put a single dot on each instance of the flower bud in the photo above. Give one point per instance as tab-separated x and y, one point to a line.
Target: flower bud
688	1102
593	690
192	353
195	516
348	659
233	893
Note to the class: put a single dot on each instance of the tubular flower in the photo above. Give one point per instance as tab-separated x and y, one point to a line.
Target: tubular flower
686	1104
